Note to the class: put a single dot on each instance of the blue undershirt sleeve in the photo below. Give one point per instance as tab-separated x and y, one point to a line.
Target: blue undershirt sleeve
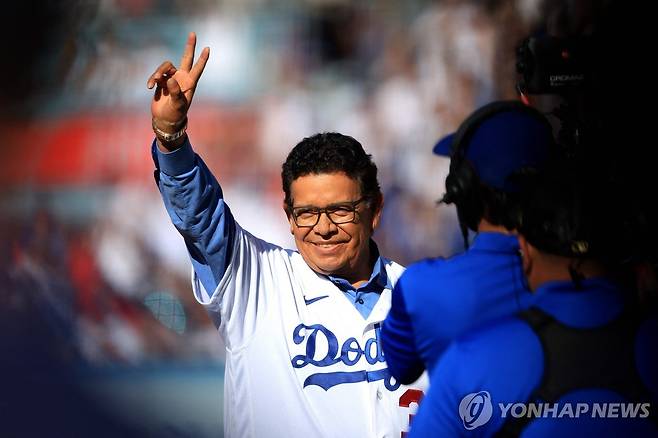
195	203
404	362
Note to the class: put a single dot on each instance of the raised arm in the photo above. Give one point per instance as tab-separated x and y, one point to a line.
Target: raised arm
191	193
174	90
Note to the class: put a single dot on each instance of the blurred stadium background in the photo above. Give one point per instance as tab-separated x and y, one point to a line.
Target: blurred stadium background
99	329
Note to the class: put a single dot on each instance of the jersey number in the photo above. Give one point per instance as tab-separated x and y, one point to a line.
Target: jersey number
410	396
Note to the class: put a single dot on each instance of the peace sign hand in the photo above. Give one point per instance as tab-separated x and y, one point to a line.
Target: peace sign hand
174	88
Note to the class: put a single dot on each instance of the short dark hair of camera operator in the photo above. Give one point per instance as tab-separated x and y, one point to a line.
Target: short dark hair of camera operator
566	213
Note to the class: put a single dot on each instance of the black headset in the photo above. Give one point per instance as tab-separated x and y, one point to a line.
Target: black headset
463	186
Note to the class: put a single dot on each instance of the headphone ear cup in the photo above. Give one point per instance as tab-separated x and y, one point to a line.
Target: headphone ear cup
463	190
453	188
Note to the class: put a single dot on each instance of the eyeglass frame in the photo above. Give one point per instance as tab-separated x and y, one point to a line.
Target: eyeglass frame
351	204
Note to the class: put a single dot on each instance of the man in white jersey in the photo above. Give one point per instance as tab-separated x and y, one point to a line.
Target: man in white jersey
301	328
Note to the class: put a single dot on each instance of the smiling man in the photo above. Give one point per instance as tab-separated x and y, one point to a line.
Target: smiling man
301	328
333	203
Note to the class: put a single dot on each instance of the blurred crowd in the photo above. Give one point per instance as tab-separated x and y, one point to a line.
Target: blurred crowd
92	294
93	262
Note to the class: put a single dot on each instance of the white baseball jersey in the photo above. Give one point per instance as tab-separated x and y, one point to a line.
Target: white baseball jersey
301	360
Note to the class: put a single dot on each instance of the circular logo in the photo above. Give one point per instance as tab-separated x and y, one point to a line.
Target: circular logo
475	409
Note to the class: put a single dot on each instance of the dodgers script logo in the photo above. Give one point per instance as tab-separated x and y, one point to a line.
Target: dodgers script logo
349	353
475	409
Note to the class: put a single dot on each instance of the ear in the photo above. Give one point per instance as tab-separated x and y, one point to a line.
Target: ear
289	216
377	208
526	256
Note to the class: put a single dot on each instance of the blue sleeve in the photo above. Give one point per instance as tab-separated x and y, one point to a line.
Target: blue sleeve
195	203
404	362
438	412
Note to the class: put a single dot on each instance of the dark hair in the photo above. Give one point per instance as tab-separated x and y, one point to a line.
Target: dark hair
500	207
477	200
574	209
484	202
555	217
331	152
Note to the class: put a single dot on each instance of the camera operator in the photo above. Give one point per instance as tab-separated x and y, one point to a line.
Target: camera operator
583	360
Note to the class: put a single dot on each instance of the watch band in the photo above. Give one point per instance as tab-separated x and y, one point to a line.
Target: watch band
181	128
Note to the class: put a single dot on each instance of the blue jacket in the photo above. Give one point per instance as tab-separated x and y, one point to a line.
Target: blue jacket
506	359
437	300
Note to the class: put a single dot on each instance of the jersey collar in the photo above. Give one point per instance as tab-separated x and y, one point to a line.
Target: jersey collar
598	301
378	281
491	241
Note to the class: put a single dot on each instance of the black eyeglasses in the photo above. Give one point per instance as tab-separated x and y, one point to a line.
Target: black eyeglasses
343	213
